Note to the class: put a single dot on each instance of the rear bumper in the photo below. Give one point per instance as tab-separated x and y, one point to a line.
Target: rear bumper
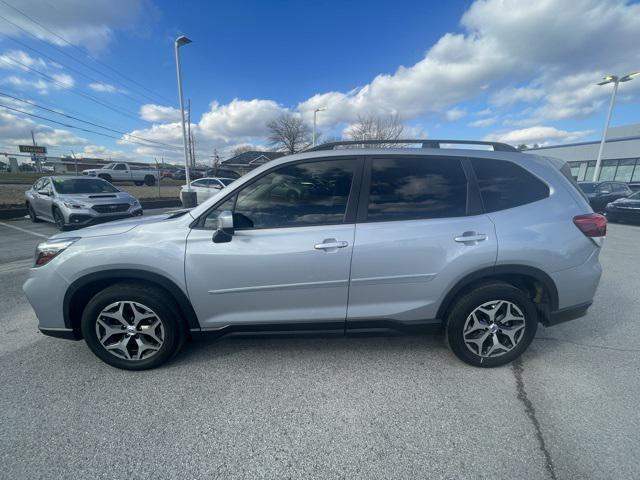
566	314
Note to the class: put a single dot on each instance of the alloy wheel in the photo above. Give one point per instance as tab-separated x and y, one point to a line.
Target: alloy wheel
494	328
130	330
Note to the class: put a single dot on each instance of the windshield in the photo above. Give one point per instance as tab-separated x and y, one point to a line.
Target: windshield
109	166
588	187
82	185
226	181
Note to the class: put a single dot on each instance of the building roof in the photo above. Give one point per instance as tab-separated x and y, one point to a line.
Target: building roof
251	157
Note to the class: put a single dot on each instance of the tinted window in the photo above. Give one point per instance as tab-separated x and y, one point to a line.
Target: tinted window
506	185
412	188
297	195
120	166
588	187
83	185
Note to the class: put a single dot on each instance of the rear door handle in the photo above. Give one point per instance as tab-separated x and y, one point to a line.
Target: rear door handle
470	238
330	243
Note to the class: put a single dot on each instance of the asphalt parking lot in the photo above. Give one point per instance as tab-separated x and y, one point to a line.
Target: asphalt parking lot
367	407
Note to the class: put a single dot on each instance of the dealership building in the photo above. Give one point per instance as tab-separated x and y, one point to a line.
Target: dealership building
620	158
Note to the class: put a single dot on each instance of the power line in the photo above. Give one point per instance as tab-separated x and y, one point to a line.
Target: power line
61	85
72	69
60	37
87	122
75	126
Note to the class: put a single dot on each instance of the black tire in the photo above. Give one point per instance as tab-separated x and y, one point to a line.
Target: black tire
480	295
165	309
105	176
32	214
149	180
58	218
138	184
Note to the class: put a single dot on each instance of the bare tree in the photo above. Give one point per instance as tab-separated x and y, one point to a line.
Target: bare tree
242	149
376	127
289	133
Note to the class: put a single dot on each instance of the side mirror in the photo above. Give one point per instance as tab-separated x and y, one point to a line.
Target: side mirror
44	192
224	232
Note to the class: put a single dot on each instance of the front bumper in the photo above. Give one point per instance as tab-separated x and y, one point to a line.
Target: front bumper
83	217
45	289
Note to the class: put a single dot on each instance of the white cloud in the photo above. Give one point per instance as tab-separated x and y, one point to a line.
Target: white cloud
538	134
105	88
15	130
87	24
159	113
546	54
26	77
484	122
63	80
511	95
454	114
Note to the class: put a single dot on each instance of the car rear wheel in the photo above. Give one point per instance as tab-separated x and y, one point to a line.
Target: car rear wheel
32	214
132	326
149	180
491	325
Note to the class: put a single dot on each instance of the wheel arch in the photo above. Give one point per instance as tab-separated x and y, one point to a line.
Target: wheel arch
537	283
83	289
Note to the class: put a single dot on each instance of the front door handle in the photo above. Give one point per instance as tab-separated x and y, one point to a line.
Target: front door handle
470	238
330	244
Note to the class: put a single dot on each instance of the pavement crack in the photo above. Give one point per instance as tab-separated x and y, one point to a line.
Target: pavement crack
530	411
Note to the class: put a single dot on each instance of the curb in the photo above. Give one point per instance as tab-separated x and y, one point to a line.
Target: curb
150	204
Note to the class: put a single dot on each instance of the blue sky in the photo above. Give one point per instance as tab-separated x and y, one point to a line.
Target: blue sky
515	71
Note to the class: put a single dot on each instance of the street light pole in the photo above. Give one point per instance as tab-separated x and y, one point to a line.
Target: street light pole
315	114
180	41
616	82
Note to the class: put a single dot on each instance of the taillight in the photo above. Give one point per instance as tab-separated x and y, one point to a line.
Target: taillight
592	225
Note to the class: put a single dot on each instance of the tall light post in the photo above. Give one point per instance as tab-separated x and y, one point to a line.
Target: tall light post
616	81
315	114
180	41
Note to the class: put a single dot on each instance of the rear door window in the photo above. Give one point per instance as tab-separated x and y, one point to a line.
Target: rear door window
504	184
409	188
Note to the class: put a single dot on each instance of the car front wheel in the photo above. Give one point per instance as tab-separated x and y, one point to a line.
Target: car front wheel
132	326
32	214
491	325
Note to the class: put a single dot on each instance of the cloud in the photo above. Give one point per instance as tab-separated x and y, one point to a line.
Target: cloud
454	114
511	95
546	55
538	134
483	122
90	25
16	130
159	113
25	78
105	88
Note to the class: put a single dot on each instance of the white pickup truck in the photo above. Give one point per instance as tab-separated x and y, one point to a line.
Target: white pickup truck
122	172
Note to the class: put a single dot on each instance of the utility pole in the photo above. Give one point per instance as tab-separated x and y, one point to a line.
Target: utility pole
75	161
34	158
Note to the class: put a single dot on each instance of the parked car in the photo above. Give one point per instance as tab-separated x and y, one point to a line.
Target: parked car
635	187
78	201
602	193
222	173
122	172
205	188
482	244
181	175
625	209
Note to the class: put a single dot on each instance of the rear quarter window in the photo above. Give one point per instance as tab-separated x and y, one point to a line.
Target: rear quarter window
504	184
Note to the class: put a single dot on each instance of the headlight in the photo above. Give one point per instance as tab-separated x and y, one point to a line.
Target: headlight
609	205
75	205
47	251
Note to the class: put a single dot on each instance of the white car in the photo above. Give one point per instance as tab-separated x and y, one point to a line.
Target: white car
206	188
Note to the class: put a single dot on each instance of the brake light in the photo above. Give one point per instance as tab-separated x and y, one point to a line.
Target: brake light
592	225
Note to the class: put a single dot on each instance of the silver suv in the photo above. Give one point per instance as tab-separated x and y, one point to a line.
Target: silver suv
78	201
483	244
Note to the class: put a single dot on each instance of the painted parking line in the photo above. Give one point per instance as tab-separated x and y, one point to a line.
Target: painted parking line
24	230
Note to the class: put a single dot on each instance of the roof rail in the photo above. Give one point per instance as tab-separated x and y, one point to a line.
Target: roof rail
426	143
